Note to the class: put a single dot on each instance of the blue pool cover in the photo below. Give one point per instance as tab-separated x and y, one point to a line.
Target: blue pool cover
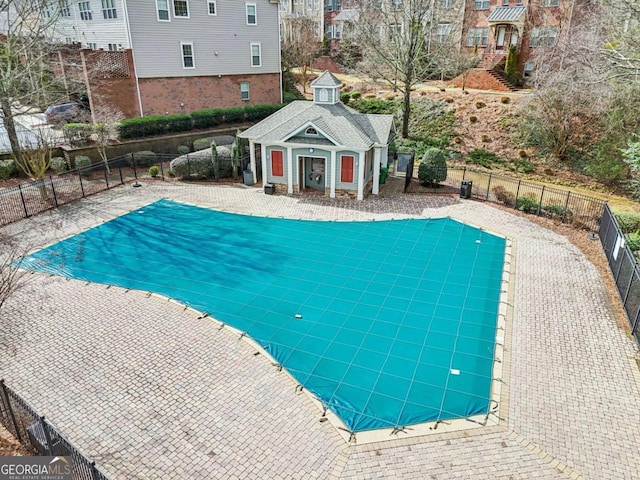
398	317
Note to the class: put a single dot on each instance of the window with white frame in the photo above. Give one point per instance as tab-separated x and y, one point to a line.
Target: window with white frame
65	11
544	36
162	7
443	31
337	32
395	31
481	5
447	4
528	68
478	36
113	47
187	55
396	4
252	17
213	8
109	9
549	3
244	90
92	46
316	4
85	10
505	2
309	4
256	55
181	8
328	30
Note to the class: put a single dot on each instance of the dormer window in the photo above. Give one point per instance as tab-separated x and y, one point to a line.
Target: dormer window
311	131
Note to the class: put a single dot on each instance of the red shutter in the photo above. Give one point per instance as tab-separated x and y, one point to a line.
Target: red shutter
346	171
277	163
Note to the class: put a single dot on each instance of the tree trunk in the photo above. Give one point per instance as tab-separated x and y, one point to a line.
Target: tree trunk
10	125
406	111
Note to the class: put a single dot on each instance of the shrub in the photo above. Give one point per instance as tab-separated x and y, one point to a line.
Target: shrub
505	100
234	115
448	100
557	211
629	222
480	156
144	158
154	125
200	164
356	95
523	165
473	119
207	118
202	143
7	169
77	133
83	164
527	204
433	167
345	97
154	170
503	195
522	153
633	241
258	112
370	95
58	164
485	138
183	149
292	95
480	104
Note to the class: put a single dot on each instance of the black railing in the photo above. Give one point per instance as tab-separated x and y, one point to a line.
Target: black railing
40	436
624	268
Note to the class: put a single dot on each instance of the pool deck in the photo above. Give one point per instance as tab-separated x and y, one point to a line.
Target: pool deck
149	390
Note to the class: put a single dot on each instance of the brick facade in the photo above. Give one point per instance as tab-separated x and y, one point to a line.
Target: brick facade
166	95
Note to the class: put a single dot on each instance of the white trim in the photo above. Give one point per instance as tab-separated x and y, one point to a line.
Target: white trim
290	170
376	171
259	56
169	3
252	160
255	13
332	192
360	178
173	10
320	132
263	160
209	2
248	91
193	55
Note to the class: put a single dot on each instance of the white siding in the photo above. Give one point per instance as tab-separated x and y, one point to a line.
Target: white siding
221	43
98	30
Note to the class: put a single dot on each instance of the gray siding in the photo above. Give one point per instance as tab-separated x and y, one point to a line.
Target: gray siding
221	43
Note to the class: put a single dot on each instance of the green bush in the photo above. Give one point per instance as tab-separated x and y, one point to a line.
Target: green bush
234	115
77	133
7	169
633	241
208	118
258	112
356	95
384	173
557	211
527	204
155	125
144	158
522	165
292	95
183	149
202	143
200	164
433	167
479	156
629	222
58	164
373	105
503	195
83	164
345	97
154	170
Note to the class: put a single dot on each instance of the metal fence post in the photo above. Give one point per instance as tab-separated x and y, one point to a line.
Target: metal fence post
10	410
488	186
188	167
120	172
464	172
55	199
94	471
540	202
162	170
24	204
636	323
133	162
47	435
515	201
566	207
80	178
106	177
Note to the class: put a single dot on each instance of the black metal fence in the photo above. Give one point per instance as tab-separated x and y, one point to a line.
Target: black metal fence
624	268
28	199
40	437
578	210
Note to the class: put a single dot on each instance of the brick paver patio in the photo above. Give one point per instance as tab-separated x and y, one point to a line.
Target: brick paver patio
150	390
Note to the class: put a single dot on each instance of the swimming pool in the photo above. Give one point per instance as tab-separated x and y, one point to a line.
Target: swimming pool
387	323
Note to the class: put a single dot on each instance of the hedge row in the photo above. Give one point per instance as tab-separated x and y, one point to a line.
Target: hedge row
162	124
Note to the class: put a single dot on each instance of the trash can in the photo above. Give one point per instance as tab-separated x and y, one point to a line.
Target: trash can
465	189
248	177
269	189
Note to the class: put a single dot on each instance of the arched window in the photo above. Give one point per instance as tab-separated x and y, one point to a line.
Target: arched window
311	131
324	95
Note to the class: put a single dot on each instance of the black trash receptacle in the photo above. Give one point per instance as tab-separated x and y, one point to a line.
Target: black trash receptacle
247	177
465	189
269	189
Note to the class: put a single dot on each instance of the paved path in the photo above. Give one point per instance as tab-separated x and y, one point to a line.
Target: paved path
150	390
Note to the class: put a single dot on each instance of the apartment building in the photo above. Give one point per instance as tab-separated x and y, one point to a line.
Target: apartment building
185	55
313	9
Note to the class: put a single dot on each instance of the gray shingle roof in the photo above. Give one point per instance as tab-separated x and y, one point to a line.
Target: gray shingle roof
326	79
345	126
507	14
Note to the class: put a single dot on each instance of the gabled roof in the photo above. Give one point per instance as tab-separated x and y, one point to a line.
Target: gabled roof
343	125
326	79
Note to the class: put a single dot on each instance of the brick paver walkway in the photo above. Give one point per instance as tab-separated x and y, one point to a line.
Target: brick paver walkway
150	390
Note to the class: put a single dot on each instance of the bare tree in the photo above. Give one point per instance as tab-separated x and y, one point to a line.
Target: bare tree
25	75
402	42
11	276
299	46
104	130
35	160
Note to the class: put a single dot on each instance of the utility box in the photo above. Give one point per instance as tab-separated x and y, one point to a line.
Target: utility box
269	189
465	189
247	176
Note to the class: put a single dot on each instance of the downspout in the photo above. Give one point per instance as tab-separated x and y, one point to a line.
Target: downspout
133	54
280	55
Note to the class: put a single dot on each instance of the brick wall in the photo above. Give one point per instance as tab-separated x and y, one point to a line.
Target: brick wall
482	80
165	95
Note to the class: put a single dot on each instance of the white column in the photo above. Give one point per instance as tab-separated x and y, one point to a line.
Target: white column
376	171
263	154
334	174
289	171
361	163
252	158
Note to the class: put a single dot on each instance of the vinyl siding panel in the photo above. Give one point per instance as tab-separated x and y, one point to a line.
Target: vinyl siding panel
221	43
98	30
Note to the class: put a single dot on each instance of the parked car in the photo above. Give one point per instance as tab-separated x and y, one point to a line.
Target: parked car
63	113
